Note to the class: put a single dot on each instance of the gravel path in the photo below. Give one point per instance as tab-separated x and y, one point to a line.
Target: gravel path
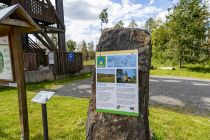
188	93
80	89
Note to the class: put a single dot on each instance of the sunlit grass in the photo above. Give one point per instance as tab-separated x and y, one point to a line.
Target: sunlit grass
67	117
190	70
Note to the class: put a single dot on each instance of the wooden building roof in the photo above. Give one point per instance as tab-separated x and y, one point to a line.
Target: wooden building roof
22	20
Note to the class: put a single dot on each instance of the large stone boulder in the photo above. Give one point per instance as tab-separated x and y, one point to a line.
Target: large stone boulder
104	126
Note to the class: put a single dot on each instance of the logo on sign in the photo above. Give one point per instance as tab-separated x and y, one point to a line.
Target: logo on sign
71	56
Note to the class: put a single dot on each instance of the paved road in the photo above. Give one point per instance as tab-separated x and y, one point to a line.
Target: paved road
193	94
171	91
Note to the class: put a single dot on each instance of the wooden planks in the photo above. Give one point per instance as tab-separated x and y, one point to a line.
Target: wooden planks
63	66
38	10
30	61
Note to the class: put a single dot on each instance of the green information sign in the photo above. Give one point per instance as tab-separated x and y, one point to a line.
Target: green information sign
117	82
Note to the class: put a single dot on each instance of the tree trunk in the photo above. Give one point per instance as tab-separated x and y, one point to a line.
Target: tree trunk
104	126
180	63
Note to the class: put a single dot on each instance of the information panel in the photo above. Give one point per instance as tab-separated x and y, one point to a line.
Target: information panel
43	97
5	60
117	82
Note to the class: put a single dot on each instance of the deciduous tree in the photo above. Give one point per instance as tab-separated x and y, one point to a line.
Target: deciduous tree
71	45
133	24
119	24
103	17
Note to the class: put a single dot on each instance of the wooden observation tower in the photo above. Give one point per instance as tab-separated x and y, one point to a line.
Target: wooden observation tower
49	18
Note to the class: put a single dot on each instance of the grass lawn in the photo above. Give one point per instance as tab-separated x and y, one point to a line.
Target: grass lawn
194	71
89	62
67	116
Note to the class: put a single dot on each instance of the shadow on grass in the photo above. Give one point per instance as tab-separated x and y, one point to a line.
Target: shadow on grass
6	89
197	69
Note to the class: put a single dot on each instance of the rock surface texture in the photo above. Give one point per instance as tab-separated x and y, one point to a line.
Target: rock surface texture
104	126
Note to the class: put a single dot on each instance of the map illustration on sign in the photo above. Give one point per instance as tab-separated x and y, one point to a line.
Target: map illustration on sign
6	73
121	61
117	82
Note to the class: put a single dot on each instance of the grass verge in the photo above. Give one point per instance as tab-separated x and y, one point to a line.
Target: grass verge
194	71
173	124
67	116
89	62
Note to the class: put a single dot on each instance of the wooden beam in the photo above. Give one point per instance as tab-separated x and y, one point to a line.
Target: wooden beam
49	41
43	42
61	36
57	16
15	22
15	38
50	29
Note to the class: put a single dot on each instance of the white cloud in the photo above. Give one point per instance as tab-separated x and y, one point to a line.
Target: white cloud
151	2
82	22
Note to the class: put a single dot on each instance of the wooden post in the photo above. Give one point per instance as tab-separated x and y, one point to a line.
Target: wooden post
61	35
15	39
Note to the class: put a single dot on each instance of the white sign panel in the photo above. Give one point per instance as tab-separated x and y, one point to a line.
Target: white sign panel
117	82
5	60
51	58
43	97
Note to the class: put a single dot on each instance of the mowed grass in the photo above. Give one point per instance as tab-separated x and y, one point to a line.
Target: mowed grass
194	71
89	62
177	124
67	117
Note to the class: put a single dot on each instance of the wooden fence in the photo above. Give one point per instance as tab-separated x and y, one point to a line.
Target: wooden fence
64	66
30	61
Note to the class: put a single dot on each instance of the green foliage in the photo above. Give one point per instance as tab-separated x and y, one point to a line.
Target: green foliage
119	24
182	39
84	50
103	17
71	45
152	24
188	25
54	38
91	52
89	62
133	24
160	39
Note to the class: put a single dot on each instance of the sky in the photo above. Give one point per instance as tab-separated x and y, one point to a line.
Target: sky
82	16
